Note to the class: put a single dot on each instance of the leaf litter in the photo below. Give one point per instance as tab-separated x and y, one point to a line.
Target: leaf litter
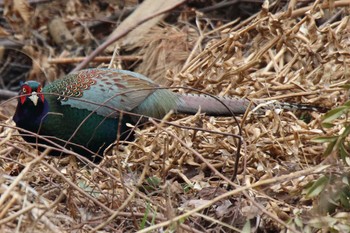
297	54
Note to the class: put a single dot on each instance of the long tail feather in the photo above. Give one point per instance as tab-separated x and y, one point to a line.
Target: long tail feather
190	103
221	106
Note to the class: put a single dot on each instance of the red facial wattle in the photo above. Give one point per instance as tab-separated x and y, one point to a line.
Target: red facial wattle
27	91
40	95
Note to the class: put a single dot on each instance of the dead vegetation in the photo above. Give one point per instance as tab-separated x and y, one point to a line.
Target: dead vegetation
178	179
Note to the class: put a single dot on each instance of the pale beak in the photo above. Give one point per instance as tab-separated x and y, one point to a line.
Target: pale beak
34	98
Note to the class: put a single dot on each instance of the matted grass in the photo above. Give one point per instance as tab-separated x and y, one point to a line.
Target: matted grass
179	179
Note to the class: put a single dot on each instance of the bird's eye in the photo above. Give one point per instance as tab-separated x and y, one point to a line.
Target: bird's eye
24	90
39	89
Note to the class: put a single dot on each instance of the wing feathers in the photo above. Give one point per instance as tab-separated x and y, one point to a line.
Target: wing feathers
103	90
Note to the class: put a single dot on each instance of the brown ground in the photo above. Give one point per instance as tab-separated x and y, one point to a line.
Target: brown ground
174	179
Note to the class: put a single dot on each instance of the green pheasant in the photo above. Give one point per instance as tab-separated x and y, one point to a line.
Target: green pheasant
88	110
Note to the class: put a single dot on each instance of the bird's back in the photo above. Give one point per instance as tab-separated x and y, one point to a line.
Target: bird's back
108	91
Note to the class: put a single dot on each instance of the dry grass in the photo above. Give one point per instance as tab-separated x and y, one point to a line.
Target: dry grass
176	179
